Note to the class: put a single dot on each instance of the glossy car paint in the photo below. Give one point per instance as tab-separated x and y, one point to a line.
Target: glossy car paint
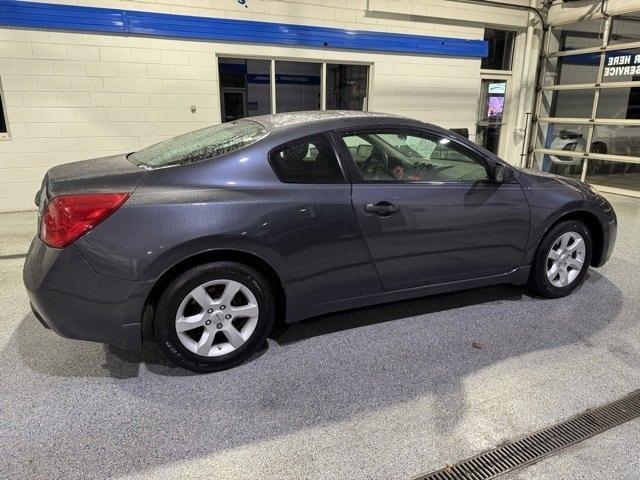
325	251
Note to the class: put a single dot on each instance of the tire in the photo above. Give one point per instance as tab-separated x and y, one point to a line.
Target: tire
549	282
208	340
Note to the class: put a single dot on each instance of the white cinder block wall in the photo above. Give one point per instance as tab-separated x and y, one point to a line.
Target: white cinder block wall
71	96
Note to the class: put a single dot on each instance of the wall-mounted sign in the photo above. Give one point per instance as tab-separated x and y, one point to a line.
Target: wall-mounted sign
621	65
289	79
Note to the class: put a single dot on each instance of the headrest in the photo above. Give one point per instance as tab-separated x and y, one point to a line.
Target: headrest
295	153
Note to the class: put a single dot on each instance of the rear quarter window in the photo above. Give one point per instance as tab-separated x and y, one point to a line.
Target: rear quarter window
308	160
203	144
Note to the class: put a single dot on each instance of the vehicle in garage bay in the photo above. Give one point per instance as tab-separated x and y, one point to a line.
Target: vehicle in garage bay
220	232
612	139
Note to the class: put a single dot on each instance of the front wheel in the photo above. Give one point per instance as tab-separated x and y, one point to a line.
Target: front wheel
562	260
214	316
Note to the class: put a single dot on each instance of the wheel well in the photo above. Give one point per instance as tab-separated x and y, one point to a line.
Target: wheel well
207	257
595	228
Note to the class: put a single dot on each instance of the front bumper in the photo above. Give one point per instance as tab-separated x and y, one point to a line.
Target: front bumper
608	243
610	231
69	297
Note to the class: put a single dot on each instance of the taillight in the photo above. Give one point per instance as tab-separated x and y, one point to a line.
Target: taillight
67	217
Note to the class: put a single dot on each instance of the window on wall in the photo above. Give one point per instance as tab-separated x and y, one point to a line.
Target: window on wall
572	69
3	119
576	35
496	75
297	86
500	53
625	29
588	123
246	87
491	114
620	104
570	103
622	65
347	87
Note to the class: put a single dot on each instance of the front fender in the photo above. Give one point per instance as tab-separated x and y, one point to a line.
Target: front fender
550	205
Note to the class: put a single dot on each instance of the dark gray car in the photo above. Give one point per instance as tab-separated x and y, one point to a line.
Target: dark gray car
222	231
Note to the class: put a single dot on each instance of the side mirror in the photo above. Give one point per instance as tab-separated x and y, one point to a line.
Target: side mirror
499	173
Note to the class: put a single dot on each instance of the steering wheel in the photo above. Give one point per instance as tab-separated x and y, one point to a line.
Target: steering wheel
378	162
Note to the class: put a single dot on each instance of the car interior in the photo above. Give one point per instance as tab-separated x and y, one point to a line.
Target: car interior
306	159
403	157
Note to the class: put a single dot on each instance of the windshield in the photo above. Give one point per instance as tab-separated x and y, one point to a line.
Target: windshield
203	144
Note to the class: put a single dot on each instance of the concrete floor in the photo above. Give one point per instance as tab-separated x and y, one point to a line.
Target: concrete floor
385	392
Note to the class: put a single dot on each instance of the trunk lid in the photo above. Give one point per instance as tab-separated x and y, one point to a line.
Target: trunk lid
106	174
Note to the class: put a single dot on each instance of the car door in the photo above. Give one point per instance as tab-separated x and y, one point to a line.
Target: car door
312	225
429	209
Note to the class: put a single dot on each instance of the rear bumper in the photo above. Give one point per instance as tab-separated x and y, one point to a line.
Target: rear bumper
69	297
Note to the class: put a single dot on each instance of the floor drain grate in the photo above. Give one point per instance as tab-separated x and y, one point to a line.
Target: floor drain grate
13	256
548	441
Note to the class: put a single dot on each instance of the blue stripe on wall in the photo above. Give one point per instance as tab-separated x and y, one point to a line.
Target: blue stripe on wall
20	13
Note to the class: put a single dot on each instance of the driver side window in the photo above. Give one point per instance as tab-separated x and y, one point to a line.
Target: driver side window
387	155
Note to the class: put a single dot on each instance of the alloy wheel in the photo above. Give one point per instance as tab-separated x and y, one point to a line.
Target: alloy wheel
565	259
217	318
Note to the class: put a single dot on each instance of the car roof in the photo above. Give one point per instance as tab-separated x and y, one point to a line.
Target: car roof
335	118
283	128
289	126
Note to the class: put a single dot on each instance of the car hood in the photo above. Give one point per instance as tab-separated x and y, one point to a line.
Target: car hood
535	179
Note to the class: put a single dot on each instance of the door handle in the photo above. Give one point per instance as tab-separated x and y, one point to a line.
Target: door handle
383	209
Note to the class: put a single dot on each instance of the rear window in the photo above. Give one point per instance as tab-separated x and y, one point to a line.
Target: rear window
203	144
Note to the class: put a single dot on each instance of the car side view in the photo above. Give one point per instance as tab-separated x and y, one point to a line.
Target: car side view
212	236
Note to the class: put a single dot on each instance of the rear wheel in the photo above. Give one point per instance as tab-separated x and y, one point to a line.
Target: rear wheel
562	259
214	316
